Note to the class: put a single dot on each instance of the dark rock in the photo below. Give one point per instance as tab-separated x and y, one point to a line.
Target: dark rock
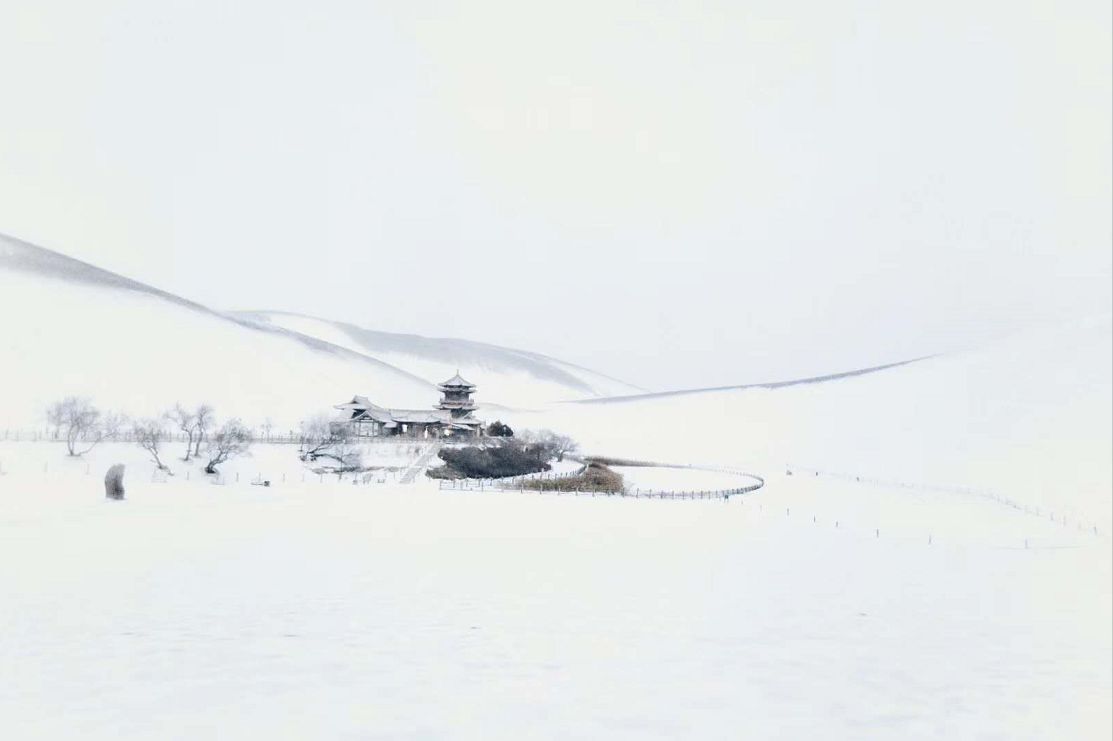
114	482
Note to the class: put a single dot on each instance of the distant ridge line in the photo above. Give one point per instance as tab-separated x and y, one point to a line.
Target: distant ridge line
477	343
768	385
36	260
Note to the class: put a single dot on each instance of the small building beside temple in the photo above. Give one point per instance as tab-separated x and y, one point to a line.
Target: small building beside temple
452	417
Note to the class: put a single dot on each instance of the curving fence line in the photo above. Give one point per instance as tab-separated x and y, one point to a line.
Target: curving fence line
1081	523
517	484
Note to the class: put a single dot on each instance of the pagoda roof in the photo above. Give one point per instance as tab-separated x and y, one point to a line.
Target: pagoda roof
433	416
457	381
362	405
360	408
419	416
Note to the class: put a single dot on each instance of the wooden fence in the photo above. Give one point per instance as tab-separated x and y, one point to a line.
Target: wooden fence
537	485
259	435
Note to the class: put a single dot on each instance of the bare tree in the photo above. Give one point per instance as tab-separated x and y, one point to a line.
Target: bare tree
268	426
204	419
561	444
231	440
150	436
547	444
79	421
186	421
112	424
321	437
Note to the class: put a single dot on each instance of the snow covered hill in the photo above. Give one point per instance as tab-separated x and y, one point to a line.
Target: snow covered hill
71	328
520	378
826	604
1028	417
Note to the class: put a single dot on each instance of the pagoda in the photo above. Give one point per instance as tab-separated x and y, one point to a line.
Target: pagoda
457	397
451	418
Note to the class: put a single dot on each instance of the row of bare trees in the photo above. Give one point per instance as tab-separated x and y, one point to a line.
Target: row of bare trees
82	426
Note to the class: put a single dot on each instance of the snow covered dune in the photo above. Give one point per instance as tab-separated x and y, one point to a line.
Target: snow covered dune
1028	417
138	352
71	328
930	556
518	377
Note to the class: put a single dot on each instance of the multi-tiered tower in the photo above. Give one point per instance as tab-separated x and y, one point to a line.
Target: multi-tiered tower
457	397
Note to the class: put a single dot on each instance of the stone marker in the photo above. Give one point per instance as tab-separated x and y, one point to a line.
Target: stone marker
114	482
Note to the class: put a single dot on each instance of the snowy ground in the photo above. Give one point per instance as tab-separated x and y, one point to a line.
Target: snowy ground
338	611
664	478
970	597
276	462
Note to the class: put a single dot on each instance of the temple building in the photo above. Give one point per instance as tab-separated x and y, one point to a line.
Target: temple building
452	417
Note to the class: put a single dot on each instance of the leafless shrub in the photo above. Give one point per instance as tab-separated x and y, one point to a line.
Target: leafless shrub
184	420
149	435
321	437
546	444
79	421
204	420
561	444
112	424
231	440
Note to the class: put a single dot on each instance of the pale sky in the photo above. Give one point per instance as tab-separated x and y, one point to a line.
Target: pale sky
678	194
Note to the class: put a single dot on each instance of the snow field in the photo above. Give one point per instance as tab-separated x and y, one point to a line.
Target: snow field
819	606
406	612
276	462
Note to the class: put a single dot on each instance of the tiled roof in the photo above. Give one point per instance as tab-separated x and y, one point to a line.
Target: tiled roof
457	381
360	408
